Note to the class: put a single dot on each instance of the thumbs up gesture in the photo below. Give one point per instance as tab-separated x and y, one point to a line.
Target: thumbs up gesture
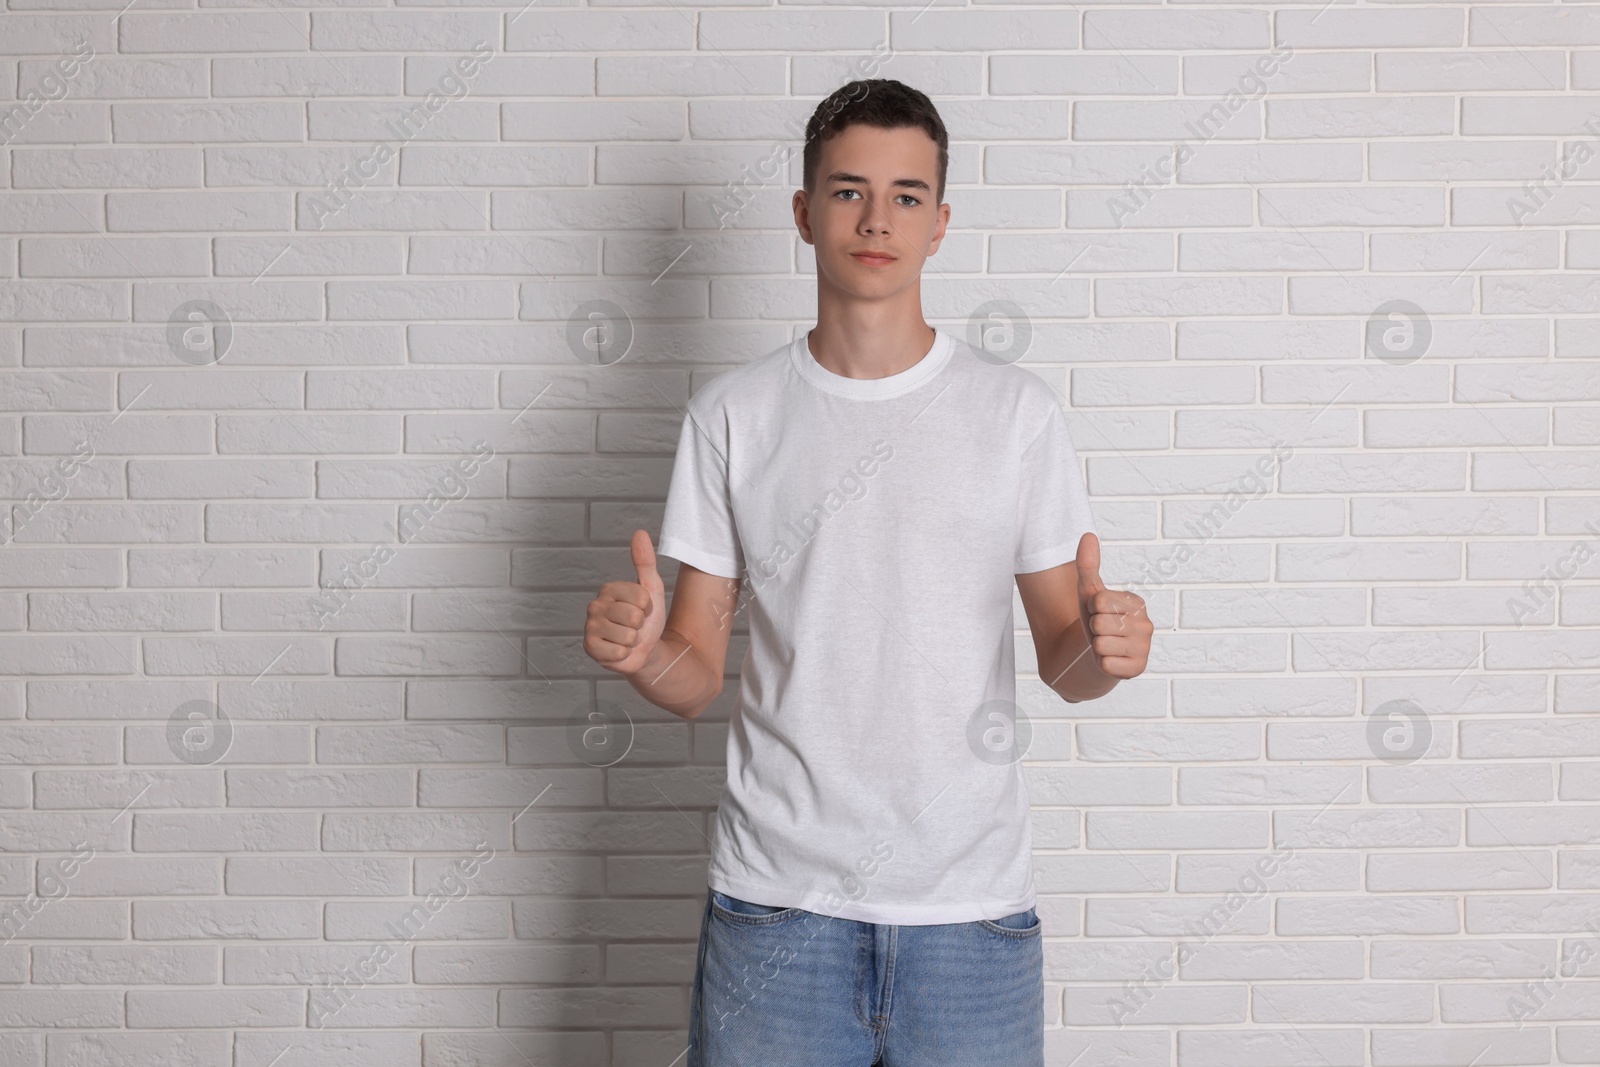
626	618
1116	623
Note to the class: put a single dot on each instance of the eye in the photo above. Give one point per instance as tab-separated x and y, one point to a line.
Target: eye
903	196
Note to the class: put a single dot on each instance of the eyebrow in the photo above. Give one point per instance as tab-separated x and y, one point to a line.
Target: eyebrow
898	183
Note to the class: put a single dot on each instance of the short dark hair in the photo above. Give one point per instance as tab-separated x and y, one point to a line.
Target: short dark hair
881	102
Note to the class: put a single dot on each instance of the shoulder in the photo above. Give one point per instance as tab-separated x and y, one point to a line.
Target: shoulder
1008	387
743	386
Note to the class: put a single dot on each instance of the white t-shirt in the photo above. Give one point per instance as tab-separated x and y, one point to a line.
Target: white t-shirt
877	524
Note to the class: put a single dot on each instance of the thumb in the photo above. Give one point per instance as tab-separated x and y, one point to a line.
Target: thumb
1088	564
644	560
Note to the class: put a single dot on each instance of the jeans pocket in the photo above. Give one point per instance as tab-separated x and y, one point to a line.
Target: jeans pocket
744	913
1023	924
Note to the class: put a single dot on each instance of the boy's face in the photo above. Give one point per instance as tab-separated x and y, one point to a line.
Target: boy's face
875	191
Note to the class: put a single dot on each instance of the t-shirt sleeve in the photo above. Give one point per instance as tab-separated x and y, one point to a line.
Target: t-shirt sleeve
697	526
1053	504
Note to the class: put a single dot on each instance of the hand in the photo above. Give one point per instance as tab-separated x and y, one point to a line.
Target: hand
626	618
1116	623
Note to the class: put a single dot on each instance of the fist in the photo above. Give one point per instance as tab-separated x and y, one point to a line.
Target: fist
1115	622
626	618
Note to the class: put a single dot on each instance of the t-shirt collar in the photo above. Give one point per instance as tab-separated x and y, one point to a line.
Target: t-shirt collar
870	388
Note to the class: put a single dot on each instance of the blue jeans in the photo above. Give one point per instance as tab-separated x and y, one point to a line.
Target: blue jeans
785	987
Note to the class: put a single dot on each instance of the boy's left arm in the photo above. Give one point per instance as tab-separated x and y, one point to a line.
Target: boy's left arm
1082	662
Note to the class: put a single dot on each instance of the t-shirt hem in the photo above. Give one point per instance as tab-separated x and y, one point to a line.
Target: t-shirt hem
1044	559
720	566
882	914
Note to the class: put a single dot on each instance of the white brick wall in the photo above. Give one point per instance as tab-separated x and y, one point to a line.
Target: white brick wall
1434	885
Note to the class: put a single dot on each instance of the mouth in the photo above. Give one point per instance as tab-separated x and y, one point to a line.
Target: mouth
873	259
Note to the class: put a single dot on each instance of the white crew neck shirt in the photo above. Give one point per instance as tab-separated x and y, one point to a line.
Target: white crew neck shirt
877	525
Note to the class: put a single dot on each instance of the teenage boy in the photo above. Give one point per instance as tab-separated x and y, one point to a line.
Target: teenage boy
873	489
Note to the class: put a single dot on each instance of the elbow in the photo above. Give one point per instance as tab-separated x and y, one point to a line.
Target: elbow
696	711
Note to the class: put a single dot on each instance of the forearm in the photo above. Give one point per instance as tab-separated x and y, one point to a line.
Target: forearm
676	677
1068	666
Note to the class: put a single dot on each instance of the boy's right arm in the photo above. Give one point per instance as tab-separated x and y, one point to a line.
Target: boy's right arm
673	659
